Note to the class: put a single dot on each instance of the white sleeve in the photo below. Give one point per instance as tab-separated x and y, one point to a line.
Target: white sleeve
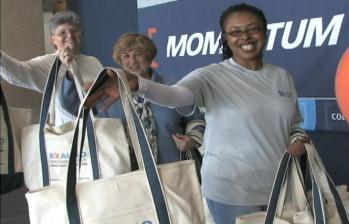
164	95
30	74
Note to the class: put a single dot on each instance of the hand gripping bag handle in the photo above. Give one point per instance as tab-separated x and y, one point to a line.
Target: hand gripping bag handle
141	147
44	111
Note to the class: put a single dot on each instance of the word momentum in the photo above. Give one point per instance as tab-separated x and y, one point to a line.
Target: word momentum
310	31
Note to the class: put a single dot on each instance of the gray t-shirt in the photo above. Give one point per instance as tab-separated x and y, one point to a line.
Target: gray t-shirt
249	116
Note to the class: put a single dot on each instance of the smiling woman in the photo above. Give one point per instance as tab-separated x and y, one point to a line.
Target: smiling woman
165	127
251	115
65	35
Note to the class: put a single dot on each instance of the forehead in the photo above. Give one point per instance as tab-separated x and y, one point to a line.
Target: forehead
242	18
65	26
133	48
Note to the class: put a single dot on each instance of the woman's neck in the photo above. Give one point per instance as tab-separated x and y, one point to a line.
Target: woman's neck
147	74
254	65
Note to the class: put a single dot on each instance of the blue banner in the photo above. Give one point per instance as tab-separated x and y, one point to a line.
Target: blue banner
305	37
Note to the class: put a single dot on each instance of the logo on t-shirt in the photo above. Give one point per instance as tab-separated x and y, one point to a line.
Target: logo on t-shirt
284	93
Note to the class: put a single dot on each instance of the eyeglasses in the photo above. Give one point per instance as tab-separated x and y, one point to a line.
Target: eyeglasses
64	33
249	31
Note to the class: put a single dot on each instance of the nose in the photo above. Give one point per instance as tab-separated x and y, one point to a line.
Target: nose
133	58
245	35
69	33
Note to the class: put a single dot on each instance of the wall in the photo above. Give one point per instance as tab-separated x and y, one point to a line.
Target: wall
103	22
22	36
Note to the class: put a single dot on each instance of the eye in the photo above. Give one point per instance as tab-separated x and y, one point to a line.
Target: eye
125	55
235	33
61	33
254	30
139	54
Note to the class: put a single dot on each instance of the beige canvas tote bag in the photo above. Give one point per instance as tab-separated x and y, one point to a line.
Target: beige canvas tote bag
46	147
168	193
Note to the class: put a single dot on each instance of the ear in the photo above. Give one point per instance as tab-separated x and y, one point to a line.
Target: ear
52	40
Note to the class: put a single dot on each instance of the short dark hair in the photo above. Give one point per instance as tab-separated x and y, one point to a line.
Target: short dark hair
226	52
63	17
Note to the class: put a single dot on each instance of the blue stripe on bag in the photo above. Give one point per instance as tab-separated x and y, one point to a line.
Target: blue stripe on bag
43	117
149	166
279	180
12	180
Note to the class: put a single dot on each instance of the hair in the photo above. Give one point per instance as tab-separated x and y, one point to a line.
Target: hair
134	41
226	52
63	17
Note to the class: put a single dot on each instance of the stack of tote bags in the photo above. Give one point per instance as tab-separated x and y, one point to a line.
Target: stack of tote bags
46	147
168	193
289	204
12	121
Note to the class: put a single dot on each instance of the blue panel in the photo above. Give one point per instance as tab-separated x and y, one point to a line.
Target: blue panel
329	117
308	111
102	23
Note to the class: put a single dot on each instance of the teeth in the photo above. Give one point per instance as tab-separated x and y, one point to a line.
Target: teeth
247	47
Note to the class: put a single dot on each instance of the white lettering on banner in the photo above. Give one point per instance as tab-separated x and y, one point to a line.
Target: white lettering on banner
314	31
309	30
337	117
204	44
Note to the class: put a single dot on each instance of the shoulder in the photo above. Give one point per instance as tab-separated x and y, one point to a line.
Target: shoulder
88	59
163	79
279	73
212	68
45	58
276	69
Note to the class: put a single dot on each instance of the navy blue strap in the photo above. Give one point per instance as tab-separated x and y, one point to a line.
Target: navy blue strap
71	199
318	207
150	169
319	201
70	101
43	118
11	156
278	182
338	201
11	180
149	165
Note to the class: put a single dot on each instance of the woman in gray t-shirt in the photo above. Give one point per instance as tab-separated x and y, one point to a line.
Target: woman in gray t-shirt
251	115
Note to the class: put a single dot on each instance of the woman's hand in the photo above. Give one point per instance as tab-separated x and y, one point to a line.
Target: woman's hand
66	56
109	92
297	147
184	142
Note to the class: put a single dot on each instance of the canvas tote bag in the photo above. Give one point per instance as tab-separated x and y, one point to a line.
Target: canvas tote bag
12	121
46	147
321	183
168	193
287	203
335	199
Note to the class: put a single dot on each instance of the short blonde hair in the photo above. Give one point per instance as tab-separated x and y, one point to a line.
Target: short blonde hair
134	41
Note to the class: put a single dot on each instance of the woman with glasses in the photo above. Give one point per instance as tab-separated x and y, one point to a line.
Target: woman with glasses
251	115
65	36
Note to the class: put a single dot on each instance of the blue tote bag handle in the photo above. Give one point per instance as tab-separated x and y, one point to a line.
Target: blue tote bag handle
144	156
45	105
